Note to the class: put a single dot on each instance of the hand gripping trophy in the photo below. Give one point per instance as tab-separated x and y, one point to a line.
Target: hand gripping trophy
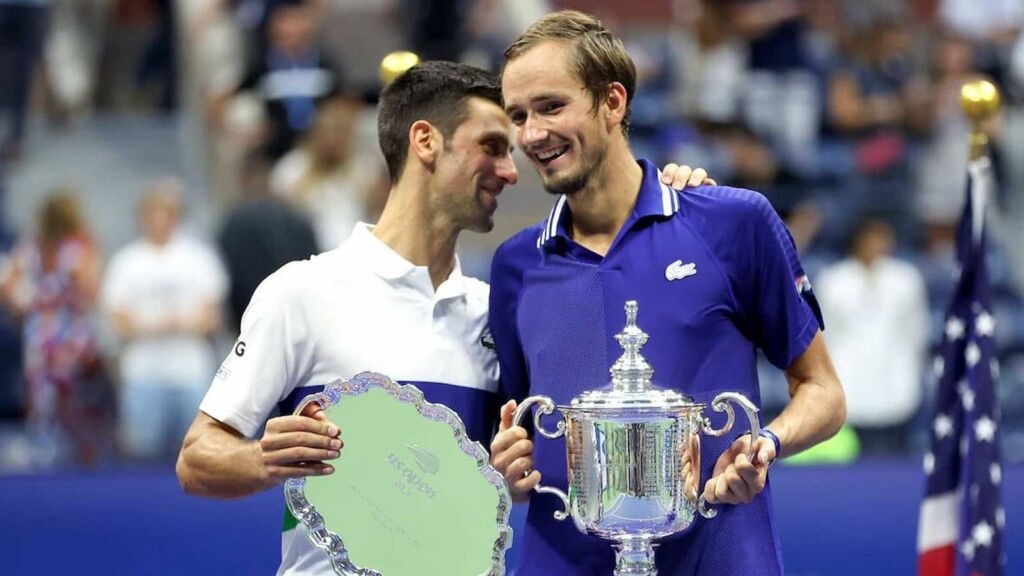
633	455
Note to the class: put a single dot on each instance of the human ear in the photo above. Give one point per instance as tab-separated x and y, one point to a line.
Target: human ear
424	141
615	104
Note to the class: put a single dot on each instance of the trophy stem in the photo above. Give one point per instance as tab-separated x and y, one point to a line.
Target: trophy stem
635	557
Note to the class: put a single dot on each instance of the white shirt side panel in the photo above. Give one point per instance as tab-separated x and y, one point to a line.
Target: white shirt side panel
269	357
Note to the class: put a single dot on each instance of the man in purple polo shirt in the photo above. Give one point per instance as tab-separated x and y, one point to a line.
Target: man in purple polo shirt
716	276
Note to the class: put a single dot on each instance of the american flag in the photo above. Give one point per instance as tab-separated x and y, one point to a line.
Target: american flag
962	517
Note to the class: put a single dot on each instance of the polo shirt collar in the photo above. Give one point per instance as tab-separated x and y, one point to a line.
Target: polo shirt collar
654	199
390	266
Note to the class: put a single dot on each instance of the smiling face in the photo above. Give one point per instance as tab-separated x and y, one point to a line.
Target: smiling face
557	124
474	166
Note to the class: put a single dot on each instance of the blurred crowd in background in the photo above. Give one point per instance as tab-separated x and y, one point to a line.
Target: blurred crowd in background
845	113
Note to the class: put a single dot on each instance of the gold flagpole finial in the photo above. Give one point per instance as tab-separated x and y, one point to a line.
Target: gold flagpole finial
395	64
980	101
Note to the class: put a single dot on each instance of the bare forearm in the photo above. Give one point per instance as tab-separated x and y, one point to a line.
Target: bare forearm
814	414
817	406
218	464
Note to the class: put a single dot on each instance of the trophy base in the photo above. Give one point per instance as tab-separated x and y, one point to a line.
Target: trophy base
634	557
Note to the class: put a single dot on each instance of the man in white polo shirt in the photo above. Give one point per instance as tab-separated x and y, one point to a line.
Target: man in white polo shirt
391	298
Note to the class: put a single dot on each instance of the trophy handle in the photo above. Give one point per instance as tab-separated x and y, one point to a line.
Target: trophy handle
544	406
720	404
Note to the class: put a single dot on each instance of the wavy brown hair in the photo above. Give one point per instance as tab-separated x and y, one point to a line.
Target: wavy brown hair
599	58
59	218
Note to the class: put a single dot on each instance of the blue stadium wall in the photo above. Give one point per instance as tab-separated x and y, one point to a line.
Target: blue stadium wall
834	522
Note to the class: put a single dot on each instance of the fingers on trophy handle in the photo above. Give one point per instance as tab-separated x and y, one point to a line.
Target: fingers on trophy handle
544	406
721	404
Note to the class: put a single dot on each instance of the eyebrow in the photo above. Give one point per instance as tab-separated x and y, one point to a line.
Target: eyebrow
498	136
538	98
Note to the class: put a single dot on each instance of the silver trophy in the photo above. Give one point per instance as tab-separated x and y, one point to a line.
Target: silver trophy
633	455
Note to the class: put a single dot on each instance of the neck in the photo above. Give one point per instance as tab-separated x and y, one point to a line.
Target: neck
407	227
601	209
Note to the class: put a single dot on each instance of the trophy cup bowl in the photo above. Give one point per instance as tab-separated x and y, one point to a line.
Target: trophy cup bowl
633	455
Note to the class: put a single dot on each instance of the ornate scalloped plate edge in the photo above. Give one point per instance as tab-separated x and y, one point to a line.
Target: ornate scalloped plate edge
330	542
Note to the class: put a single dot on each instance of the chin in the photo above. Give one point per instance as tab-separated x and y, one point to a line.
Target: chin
484	225
568	184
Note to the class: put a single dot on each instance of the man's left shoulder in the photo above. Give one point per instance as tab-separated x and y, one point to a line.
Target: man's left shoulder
725	200
726	216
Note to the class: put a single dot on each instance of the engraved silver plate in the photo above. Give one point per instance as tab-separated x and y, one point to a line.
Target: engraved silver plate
411	492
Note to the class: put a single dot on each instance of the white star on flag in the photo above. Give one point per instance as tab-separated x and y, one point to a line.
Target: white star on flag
954	328
985	429
973	354
982	534
966	395
929	463
985	325
996	473
943	426
967	548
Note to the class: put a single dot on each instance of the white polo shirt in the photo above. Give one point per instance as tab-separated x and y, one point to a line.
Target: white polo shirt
358	307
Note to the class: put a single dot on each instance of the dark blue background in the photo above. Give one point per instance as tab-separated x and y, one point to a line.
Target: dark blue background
834	522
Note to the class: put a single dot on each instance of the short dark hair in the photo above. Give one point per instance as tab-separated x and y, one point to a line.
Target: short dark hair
599	57
434	91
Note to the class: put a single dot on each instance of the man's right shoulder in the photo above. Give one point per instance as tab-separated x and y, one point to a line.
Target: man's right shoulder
291	279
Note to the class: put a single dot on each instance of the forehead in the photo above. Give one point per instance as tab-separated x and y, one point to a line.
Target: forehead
483	117
544	67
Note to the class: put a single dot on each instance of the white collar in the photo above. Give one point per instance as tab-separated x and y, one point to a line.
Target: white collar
383	261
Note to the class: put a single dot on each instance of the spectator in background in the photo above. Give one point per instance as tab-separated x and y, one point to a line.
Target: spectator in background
291	78
328	179
435	27
876	96
259	236
877	307
163	295
992	27
782	95
939	197
50	283
707	53
22	33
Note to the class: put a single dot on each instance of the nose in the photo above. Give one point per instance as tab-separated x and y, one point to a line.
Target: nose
506	170
531	132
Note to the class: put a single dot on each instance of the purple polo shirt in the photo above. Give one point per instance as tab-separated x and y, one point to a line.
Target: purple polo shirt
556	306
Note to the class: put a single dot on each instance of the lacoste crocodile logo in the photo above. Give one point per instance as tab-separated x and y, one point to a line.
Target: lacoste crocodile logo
677	270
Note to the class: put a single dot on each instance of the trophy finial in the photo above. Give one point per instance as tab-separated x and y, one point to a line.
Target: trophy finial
631	372
631	309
